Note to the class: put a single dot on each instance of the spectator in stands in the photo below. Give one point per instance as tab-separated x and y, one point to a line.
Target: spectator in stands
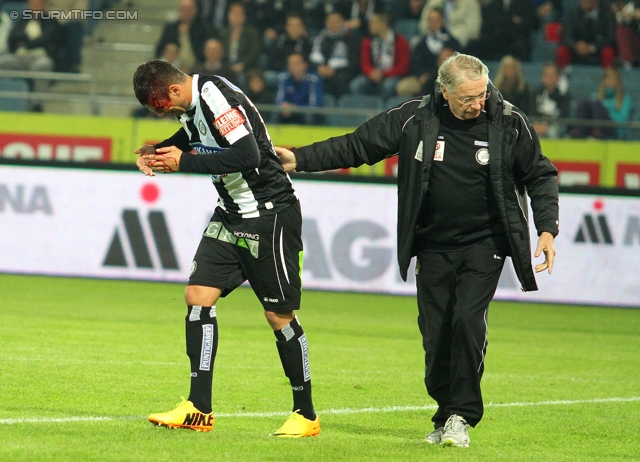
507	28
551	100
549	10
512	84
406	9
358	13
214	12
588	35
69	56
609	103
427	55
171	54
5	30
298	87
313	13
385	58
215	62
257	90
242	43
335	55
628	31
189	32
462	18
33	43
294	39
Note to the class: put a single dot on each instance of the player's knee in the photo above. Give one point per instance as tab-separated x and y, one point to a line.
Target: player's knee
201	295
277	320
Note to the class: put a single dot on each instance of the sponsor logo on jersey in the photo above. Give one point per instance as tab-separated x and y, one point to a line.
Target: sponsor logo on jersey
482	156
255	237
229	121
207	347
199	148
481	143
270	300
439	153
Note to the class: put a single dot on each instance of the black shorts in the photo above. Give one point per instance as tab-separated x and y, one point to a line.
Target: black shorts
266	251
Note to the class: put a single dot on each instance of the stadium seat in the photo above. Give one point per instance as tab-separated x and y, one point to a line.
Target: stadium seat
328	100
14	104
349	101
583	79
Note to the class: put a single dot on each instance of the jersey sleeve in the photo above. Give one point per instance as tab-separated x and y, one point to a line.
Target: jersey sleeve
229	119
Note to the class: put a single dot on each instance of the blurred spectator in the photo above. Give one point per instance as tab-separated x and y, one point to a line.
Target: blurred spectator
610	103
313	13
33	43
171	54
257	90
588	35
294	39
69	56
242	43
5	30
335	55
214	12
189	32
406	9
510	82
385	58
462	18
358	13
507	27
268	17
298	87
427	55
215	62
628	31
549	10
551	100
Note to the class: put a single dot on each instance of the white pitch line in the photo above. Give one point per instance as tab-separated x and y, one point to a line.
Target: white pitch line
562	402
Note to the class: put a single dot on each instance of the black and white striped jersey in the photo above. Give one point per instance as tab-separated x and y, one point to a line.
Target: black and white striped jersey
228	139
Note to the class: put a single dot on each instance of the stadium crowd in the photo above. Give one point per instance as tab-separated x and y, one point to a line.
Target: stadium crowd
297	53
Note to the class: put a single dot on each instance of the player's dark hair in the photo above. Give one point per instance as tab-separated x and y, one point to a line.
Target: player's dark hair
152	79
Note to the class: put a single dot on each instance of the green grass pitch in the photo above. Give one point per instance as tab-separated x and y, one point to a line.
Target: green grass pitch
83	362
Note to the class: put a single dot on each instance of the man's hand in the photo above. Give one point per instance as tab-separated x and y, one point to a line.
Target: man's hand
141	163
546	245
166	160
287	158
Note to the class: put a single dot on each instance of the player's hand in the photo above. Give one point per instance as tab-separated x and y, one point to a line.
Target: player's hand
165	160
287	158
140	162
546	245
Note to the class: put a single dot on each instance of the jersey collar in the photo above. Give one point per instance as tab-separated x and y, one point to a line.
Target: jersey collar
194	92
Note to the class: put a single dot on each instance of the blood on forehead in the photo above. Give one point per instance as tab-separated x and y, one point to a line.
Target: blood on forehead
160	103
158	97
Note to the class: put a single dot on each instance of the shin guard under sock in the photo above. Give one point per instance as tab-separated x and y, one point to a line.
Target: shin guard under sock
293	350
202	344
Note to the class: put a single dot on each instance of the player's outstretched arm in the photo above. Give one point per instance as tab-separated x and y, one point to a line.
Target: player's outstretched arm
287	158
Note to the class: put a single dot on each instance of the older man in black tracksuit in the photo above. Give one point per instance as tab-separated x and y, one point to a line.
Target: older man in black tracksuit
466	159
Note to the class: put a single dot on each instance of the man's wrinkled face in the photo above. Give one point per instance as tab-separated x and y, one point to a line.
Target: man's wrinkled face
467	100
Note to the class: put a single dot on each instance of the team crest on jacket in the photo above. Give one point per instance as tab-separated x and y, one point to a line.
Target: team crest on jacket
482	156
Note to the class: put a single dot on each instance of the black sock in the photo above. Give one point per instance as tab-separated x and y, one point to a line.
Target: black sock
292	347
202	344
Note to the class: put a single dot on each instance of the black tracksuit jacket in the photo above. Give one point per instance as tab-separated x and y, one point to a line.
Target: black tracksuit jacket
517	168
